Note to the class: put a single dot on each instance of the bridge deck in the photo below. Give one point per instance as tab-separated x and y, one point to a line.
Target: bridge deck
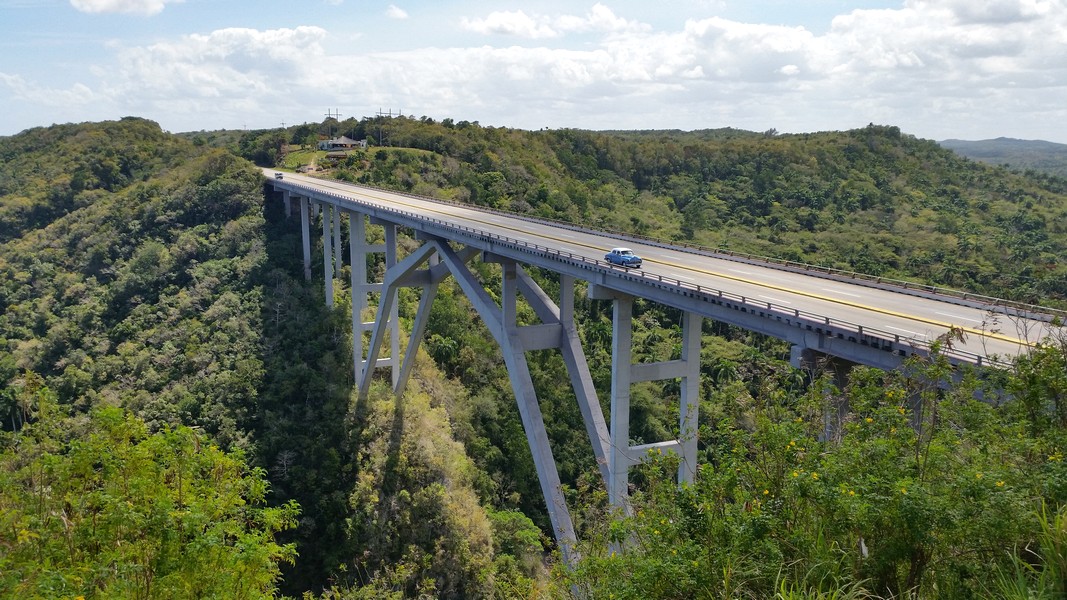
788	303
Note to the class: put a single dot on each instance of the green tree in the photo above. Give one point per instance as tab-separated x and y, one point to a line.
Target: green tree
98	507
922	492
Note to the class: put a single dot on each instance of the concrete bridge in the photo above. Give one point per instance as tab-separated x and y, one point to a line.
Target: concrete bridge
844	315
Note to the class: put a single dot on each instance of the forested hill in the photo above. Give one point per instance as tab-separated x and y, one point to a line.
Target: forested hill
873	200
125	247
48	172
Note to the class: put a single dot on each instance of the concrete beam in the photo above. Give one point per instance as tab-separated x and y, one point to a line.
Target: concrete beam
540	337
671	369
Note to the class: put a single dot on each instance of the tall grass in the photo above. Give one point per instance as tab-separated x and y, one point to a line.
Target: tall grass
787	590
1041	573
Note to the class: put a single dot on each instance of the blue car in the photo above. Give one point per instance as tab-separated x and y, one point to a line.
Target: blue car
624	257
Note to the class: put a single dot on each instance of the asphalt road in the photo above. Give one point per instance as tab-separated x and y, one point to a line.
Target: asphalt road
987	333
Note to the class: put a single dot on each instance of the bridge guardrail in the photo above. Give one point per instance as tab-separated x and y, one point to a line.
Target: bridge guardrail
814	320
991	303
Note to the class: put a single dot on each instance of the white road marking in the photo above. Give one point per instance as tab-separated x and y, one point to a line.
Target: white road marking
684	277
958	317
774	299
922	335
840	292
740	271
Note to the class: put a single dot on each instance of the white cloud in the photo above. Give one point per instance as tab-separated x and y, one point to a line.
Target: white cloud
395	12
969	12
517	23
929	66
141	7
933	67
228	73
943	45
601	18
77	95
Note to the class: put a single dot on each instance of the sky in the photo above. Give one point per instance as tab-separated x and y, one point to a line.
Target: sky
938	69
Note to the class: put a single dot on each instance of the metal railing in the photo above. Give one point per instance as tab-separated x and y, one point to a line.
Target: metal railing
990	303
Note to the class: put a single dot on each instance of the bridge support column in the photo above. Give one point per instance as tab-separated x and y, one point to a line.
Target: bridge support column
359	249
327	253
690	396
305	236
814	361
621	378
418	326
393	319
429	279
357	256
287	201
801	357
335	216
624	373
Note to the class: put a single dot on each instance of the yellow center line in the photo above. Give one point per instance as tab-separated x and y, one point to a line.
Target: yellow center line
875	309
885	311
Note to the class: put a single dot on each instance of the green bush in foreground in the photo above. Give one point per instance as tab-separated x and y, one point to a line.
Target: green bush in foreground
98	507
921	491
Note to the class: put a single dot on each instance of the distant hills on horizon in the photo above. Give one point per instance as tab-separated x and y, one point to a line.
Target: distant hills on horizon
1036	155
1040	156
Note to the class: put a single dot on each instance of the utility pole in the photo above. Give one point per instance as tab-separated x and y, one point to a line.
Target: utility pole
335	115
384	114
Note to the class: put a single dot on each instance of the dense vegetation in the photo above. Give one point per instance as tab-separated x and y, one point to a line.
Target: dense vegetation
916	493
99	505
178	418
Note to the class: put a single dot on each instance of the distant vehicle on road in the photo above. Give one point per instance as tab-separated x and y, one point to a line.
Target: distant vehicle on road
624	257
277	175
